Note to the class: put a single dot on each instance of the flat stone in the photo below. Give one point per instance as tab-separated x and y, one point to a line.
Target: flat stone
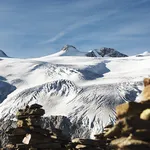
129	143
20	117
80	146
145	115
10	146
54	137
34	141
40	131
37	135
89	142
131	108
36	112
22	146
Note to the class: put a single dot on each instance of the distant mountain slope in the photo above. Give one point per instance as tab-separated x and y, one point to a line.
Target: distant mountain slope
69	50
5	90
2	54
146	53
105	52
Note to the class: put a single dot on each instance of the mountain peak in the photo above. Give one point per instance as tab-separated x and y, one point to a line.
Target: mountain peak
110	52
2	54
67	47
105	52
69	50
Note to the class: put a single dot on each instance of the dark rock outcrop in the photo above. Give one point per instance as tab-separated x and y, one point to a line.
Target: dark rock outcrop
110	52
5	90
2	54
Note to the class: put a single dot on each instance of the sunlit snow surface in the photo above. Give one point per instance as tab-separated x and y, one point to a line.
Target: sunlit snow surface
84	89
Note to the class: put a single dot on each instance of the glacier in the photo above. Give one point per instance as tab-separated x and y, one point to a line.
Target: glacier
84	89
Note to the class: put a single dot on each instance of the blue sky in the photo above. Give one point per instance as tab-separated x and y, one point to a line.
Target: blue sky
33	28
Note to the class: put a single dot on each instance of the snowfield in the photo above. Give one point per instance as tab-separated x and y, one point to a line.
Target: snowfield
85	89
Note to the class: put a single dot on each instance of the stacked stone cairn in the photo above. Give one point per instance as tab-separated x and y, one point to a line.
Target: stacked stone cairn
30	136
132	129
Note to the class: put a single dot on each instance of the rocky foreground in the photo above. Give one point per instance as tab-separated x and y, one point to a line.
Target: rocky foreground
131	131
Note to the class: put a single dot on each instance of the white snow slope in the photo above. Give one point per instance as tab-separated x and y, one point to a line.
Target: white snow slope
146	53
84	89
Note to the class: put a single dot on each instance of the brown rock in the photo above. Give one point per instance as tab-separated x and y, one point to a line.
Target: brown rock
145	115
10	146
126	126
89	142
22	146
80	146
130	144
131	108
114	131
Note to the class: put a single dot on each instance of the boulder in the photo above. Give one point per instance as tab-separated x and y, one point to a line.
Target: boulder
127	143
126	126
145	115
131	109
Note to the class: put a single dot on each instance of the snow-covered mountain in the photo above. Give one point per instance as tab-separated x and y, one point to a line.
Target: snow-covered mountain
2	54
69	50
105	52
144	54
84	89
